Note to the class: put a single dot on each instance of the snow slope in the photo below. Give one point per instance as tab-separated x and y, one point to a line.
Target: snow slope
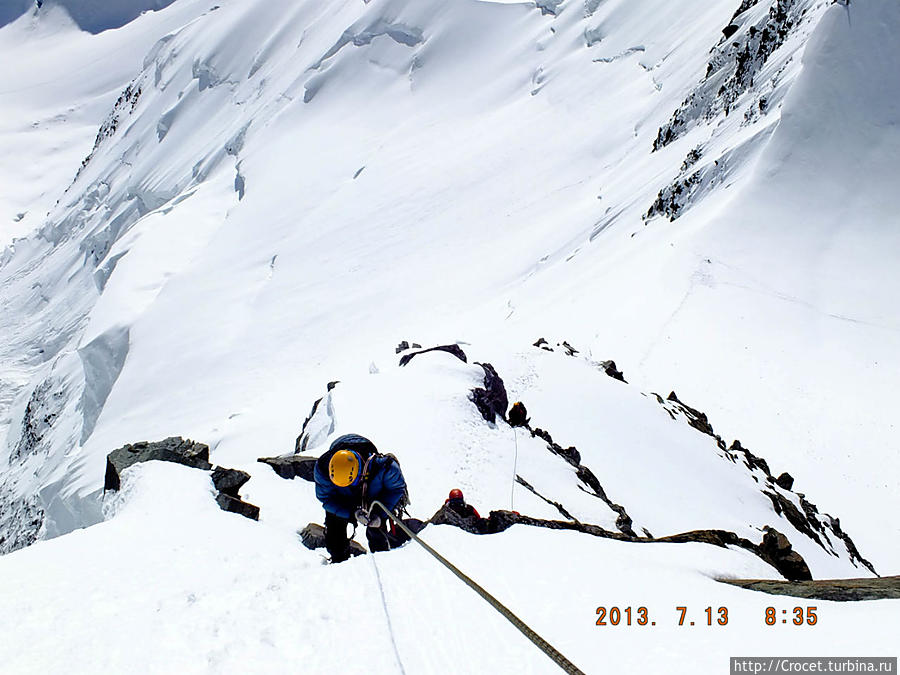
209	591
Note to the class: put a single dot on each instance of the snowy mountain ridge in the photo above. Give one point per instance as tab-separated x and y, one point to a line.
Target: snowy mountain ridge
132	176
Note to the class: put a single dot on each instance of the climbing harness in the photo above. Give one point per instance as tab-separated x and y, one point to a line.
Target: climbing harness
540	642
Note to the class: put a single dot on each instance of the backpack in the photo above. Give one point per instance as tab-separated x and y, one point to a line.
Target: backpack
404	502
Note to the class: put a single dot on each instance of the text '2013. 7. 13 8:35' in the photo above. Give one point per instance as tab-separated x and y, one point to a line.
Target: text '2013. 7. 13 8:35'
709	616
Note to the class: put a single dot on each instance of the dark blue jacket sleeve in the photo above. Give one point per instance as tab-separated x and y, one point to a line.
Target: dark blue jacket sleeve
393	486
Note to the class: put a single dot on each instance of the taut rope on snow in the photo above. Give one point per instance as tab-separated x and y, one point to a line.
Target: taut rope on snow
512	486
540	642
387	614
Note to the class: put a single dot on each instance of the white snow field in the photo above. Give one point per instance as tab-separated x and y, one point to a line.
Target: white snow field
212	209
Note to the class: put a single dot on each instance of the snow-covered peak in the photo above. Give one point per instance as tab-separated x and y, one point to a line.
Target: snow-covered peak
93	16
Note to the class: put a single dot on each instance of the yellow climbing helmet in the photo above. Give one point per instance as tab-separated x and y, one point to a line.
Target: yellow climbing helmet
344	468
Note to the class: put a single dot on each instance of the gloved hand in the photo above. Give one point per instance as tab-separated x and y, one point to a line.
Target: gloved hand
367	520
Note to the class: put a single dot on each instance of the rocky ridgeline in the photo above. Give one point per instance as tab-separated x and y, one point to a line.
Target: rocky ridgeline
775	549
836	590
22	515
124	106
805	519
492	402
744	73
21	520
188	453
735	62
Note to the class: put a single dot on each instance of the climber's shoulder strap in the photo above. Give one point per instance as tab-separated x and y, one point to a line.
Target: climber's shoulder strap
369	467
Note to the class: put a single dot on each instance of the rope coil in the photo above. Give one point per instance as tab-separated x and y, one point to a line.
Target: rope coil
523	628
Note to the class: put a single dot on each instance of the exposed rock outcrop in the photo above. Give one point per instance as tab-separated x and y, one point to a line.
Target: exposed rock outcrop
570	454
456	350
492	400
587	477
320	422
608	367
229	481
189	453
173	449
784	506
559	507
403	346
21	521
447	516
235	505
43	408
673	199
734	64
839	590
696	419
543	344
751	460
777	550
292	466
806	519
785	481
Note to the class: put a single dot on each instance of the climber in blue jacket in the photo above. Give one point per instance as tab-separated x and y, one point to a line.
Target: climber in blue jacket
349	478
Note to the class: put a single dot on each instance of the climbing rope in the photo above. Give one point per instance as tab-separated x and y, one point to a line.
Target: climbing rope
540	642
512	486
387	614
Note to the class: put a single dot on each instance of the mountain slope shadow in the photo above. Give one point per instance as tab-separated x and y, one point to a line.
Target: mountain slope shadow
93	16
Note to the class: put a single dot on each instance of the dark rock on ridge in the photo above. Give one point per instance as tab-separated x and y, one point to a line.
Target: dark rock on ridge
696	419
777	550
300	444
559	507
785	481
188	453
733	67
292	466
235	505
173	449
623	522
609	367
456	350
447	516
492	400
839	590
543	344
229	481
403	346
784	506
570	454
808	521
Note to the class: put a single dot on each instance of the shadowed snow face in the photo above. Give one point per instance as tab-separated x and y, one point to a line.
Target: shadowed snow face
93	16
